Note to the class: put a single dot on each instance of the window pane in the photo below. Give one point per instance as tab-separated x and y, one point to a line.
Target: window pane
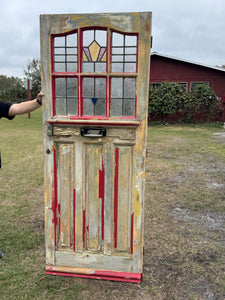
117	39
59	41
100	107
60	87
72	107
71	40
116	107
88	107
71	87
131	40
100	87
130	67
129	88
117	67
88	87
71	67
116	87
128	107
60	67
60	105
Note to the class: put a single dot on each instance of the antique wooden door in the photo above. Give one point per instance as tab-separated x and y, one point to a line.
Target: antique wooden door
95	75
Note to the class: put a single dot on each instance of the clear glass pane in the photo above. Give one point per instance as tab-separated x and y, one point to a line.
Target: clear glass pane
131	50
129	88
72	87
88	87
128	107
72	107
88	37
130	67
117	39
117	67
59	41
100	107
71	51
100	88
116	87
60	87
116	108
60	106
71	40
130	40
88	107
88	67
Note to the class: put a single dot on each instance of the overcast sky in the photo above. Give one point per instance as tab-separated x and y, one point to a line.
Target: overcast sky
188	29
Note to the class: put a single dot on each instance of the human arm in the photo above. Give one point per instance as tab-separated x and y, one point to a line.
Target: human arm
25	107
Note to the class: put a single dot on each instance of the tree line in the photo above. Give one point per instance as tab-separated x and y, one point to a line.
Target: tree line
12	89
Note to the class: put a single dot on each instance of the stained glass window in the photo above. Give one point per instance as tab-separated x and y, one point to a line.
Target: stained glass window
94	51
94	96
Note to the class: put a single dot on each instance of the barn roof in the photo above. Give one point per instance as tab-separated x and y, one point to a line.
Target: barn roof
154	53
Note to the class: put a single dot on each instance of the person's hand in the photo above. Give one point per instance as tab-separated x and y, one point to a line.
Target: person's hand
39	97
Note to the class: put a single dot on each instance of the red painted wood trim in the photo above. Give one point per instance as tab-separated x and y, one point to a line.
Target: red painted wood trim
74	219
132	233
102	194
106	275
84	226
86	122
54	200
116	195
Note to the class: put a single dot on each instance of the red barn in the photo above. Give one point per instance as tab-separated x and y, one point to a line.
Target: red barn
166	68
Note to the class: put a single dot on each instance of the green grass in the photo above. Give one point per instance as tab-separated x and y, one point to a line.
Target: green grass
183	257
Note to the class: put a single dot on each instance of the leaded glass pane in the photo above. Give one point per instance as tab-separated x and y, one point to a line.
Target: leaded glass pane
60	87
129	88
124	53
100	107
94	51
88	87
128	107
60	106
60	67
116	87
116	107
100	87
72	106
88	107
71	87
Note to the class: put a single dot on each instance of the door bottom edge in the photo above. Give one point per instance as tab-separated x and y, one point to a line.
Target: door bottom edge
97	274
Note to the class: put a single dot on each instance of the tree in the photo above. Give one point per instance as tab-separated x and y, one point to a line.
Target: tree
33	72
12	89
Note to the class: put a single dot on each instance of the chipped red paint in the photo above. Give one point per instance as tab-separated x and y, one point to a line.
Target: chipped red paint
116	195
132	233
54	200
84	222
74	220
59	217
102	193
99	274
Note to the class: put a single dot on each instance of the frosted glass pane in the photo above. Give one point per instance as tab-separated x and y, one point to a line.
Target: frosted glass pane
100	88
88	87
71	51
88	37
130	40
131	50
130	67
128	107
60	87
130	58
118	58
59	51
100	37
60	106
88	67
129	88
100	108
59	41
116	87
60	58
116	108
72	87
71	40
60	67
117	39
117	50
72	107
117	67
88	107
71	67
100	67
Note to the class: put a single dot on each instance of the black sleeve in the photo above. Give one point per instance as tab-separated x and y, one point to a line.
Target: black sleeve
4	110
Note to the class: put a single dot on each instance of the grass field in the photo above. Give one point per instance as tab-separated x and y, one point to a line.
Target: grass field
184	218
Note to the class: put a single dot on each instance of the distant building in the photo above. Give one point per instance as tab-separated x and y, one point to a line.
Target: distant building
167	68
